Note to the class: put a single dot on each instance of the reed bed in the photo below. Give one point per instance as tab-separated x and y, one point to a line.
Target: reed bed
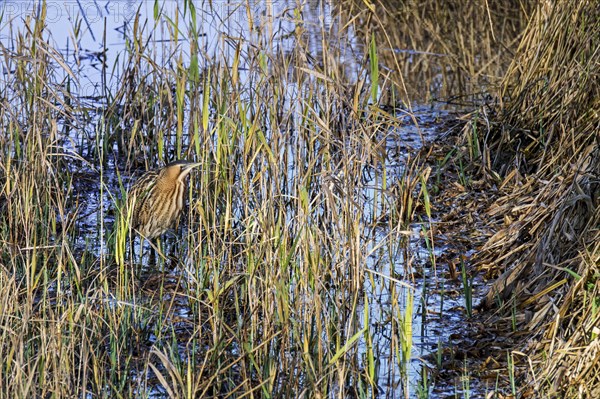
266	290
291	273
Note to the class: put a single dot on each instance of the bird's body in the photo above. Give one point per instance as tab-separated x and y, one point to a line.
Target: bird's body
156	200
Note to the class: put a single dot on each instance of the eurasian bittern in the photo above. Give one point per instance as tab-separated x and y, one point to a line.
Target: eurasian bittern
156	200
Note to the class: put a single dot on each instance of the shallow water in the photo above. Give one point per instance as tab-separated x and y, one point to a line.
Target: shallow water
106	32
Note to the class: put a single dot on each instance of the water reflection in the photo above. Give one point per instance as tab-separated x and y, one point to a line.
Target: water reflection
91	35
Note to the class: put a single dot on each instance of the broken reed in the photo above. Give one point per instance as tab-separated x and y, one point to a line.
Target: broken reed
267	295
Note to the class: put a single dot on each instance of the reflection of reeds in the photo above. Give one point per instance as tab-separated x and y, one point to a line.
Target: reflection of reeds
268	289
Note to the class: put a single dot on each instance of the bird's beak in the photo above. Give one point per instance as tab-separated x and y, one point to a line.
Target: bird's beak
191	165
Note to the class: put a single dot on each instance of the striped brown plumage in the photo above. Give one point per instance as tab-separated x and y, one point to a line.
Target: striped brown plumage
156	199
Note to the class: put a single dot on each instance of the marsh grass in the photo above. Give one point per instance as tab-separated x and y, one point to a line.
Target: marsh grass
291	273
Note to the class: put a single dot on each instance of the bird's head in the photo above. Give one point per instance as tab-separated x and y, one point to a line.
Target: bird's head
178	170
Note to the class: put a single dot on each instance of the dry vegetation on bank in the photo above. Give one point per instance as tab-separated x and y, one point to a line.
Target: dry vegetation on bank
538	151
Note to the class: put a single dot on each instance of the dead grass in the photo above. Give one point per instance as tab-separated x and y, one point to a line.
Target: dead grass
543	142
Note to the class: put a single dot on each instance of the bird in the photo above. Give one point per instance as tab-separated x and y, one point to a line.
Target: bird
155	201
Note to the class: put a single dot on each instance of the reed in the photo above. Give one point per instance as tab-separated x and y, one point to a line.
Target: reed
440	50
263	290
